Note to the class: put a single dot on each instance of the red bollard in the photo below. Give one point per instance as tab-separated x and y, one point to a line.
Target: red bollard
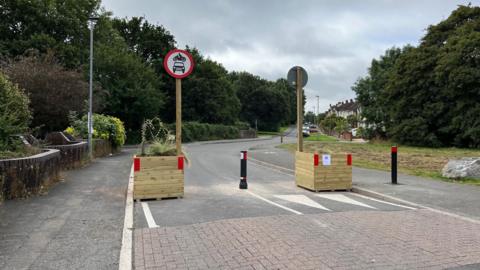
136	164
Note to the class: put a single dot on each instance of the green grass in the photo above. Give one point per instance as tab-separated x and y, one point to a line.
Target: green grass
318	137
272	133
419	161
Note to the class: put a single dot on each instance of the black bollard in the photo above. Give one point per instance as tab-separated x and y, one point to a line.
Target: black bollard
243	170
394	165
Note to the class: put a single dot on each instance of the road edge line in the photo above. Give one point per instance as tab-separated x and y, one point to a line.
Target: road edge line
373	194
125	261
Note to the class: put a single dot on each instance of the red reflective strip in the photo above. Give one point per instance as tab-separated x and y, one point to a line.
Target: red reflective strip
180	162
136	164
245	155
315	160
394	149
349	159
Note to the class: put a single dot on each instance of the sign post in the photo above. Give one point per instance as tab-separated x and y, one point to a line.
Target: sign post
178	64
297	76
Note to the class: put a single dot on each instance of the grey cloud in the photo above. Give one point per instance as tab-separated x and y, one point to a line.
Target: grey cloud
334	40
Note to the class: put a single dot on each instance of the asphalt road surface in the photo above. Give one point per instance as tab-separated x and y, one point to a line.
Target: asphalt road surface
212	190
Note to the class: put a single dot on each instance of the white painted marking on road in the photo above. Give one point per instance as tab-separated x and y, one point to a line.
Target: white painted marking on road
274	203
344	199
384	202
302	199
148	215
125	262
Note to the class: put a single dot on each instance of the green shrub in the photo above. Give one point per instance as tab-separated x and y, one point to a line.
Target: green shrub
161	148
15	114
195	131
104	127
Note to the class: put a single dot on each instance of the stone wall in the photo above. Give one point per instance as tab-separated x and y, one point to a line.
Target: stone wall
22	177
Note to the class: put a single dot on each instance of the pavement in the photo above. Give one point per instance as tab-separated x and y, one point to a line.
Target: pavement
77	225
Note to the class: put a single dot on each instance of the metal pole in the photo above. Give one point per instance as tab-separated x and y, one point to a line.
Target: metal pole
299	111
318	111
394	164
90	115
243	170
178	133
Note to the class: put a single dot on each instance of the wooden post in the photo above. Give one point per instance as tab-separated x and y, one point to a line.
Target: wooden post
299	111
178	133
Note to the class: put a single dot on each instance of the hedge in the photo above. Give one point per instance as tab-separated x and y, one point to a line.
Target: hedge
195	131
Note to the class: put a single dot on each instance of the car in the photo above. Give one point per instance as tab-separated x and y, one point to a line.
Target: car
179	66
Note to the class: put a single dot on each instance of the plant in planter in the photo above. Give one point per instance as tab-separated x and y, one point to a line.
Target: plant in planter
158	172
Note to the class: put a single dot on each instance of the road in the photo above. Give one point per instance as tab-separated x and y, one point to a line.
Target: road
212	192
276	225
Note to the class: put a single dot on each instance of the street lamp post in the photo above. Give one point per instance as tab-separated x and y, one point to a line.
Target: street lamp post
318	111
92	21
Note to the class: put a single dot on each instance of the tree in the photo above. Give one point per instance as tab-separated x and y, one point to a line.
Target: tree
329	123
352	120
58	25
253	92
209	97
371	90
435	87
53	90
309	117
14	112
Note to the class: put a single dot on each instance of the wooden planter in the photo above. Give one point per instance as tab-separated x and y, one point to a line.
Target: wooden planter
158	177
310	173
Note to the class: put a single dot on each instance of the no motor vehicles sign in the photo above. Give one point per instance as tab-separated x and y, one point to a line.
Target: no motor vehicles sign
178	63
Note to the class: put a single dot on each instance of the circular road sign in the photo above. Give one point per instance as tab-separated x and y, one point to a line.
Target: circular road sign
292	76
178	63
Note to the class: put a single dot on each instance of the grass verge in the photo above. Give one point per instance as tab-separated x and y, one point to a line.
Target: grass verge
419	161
318	137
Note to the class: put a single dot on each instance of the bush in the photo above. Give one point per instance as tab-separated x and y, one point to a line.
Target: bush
14	113
161	148
104	127
194	131
53	90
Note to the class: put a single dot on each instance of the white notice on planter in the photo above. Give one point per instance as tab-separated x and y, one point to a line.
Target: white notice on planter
326	160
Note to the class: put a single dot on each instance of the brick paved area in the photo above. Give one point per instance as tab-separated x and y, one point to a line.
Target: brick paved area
417	239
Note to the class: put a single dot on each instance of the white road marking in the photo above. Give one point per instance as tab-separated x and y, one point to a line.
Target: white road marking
344	199
125	262
274	203
148	215
384	202
302	199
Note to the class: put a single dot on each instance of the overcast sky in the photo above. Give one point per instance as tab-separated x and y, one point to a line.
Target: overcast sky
334	41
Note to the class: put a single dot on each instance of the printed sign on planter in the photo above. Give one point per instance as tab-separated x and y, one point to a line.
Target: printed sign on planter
326	160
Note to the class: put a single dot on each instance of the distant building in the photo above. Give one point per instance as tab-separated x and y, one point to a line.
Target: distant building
345	108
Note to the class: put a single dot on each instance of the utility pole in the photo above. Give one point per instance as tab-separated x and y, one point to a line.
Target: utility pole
318	111
299	111
92	22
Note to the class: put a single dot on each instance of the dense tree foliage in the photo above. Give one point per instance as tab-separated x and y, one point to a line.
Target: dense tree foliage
128	67
429	95
53	90
14	112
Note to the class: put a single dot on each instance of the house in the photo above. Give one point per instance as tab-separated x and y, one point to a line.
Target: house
345	108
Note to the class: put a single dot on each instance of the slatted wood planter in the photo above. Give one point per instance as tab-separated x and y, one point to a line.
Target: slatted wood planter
158	177
315	176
